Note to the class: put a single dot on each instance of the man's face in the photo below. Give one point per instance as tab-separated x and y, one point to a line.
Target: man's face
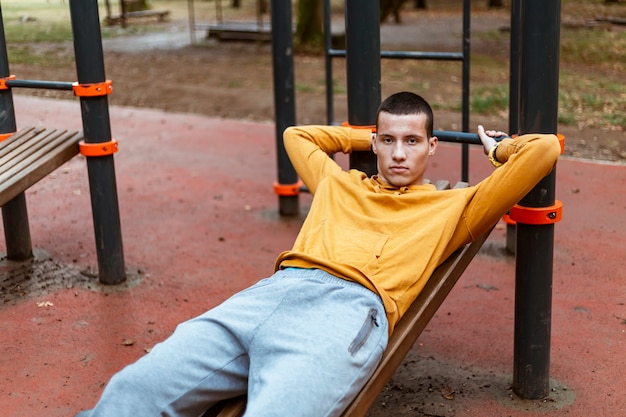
402	148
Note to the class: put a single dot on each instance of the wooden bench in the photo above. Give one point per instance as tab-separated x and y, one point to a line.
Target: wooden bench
28	156
237	31
404	335
114	19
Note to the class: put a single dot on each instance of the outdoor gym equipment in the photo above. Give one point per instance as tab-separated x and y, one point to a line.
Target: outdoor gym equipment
56	147
535	40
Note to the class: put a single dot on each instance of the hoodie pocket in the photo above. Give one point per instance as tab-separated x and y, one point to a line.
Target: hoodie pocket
346	245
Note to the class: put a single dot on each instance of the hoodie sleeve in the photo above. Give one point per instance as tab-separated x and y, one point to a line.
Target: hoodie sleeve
309	148
526	160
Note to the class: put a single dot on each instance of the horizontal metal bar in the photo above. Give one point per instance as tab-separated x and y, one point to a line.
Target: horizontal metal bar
49	85
457	137
436	56
461	137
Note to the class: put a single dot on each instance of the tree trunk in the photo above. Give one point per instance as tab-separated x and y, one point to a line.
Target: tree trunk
309	32
391	7
421	4
492	4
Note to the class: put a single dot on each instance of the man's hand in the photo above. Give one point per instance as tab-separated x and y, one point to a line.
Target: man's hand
487	137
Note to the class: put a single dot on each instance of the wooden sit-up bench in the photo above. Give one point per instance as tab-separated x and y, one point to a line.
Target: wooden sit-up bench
29	155
404	335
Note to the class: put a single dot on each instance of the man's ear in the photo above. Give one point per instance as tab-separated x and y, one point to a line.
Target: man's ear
373	143
432	144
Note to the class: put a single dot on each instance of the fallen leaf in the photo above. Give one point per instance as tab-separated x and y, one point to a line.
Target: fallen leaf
44	304
447	393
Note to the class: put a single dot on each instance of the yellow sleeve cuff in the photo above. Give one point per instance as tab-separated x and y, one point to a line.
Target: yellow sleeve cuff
361	139
492	156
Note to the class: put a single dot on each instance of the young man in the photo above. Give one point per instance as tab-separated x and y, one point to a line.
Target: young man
303	341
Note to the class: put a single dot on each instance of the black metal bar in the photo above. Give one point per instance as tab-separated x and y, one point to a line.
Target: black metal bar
330	107
461	137
514	66
14	213
97	128
457	137
465	89
284	97
49	85
418	55
16	229
514	88
363	72
539	79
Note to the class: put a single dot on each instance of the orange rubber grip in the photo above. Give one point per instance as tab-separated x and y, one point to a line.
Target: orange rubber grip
5	136
562	142
93	89
537	215
508	220
287	190
3	82
98	149
370	127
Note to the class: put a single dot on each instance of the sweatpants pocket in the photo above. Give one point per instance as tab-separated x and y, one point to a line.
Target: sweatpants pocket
364	332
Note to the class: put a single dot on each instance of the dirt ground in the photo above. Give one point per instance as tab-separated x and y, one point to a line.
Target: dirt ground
234	80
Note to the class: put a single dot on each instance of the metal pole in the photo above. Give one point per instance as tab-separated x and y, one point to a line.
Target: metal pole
328	62
466	90
14	213
192	21
363	71
97	128
539	82
284	97
514	88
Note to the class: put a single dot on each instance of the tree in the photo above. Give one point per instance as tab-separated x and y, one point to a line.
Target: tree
391	7
309	29
492	4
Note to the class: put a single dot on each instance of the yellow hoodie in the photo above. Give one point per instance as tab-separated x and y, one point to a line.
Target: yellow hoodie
391	239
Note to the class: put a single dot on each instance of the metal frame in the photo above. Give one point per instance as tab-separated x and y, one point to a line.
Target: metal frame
534	102
96	128
359	28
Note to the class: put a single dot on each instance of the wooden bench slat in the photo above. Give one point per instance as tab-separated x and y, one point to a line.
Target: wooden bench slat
40	149
405	334
30	155
13	142
25	146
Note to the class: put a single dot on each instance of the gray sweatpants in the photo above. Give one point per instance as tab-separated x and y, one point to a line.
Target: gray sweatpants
300	343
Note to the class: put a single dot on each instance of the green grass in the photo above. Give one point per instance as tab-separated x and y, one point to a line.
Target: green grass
45	21
492	99
597	47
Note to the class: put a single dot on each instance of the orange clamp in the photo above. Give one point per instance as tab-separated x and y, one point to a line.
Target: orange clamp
3	82
507	219
93	89
370	127
287	190
5	136
537	215
561	139
98	149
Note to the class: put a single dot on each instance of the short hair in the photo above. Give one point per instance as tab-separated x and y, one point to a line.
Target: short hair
405	102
